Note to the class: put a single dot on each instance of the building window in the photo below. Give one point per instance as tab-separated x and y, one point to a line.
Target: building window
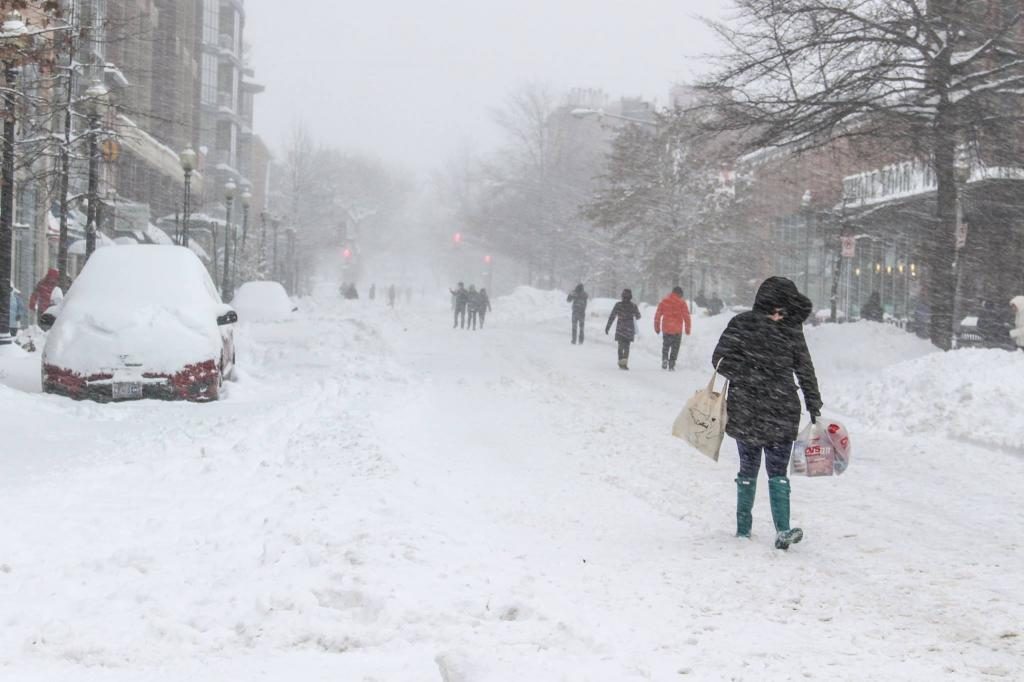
209	85
211	22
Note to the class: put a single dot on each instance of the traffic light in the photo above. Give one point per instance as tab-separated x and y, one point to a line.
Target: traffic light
347	254
487	260
457	238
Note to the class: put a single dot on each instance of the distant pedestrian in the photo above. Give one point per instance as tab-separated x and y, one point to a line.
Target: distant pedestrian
373	292
579	299
624	315
872	310
460	301
473	306
18	311
391	296
671	320
701	300
1017	333
715	304
484	306
41	296
760	352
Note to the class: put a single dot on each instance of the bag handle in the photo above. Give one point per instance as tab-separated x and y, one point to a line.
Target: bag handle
714	376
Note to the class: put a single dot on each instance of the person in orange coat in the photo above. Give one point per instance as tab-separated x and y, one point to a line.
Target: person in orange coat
670	320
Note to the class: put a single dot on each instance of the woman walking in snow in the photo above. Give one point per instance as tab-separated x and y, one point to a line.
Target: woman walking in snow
760	352
624	314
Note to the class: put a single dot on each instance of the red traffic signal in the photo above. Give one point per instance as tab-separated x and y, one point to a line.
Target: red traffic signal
457	238
347	254
487	260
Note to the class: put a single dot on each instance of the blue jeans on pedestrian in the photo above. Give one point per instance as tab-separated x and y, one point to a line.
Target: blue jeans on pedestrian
776	459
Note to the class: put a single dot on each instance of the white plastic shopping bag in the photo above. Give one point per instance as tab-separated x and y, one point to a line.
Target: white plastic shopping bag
821	449
702	422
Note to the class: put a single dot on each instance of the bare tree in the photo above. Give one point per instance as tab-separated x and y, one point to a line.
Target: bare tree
924	74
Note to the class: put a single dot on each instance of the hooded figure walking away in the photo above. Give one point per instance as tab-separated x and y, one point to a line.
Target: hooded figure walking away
460	300
484	305
391	296
579	299
760	352
671	318
624	314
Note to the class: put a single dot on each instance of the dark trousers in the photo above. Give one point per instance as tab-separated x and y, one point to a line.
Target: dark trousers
670	349
460	316
483	316
472	319
577	326
624	349
776	458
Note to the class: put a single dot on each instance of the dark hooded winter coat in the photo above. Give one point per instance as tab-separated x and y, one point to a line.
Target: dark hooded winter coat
760	357
624	316
578	298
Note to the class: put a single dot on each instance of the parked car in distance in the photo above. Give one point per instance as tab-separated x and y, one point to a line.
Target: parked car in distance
263	302
140	322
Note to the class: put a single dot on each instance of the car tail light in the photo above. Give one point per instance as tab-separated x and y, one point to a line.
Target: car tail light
199	381
60	380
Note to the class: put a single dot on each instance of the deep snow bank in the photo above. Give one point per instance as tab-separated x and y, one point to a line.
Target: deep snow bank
969	395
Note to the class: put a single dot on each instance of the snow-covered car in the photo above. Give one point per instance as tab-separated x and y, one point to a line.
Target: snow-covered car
263	302
140	322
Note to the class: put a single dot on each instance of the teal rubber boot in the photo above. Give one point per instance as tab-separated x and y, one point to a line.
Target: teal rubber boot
745	490
778	495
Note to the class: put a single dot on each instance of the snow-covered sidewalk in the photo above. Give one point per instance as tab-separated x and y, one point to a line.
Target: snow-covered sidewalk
383	498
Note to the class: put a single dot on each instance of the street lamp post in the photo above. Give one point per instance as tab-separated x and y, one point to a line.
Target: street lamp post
96	100
246	199
188	160
262	264
229	200
14	39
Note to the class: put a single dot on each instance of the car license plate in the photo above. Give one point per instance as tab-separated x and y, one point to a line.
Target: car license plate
127	390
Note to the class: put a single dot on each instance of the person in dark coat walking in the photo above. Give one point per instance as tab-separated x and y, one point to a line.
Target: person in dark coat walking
484	305
460	301
473	305
373	292
579	299
760	352
624	315
391	296
872	310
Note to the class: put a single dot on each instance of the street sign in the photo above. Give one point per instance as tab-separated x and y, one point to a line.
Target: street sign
849	247
111	150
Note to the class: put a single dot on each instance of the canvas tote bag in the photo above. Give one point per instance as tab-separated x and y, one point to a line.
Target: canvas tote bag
702	422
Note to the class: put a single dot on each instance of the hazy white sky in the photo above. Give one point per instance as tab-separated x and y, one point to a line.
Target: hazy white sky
413	79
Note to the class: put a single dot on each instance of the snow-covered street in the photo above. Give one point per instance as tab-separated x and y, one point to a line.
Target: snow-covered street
380	497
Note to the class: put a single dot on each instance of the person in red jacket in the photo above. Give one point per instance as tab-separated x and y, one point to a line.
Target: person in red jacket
41	295
670	320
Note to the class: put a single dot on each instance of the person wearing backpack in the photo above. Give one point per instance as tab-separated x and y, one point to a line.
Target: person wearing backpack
760	352
671	318
624	315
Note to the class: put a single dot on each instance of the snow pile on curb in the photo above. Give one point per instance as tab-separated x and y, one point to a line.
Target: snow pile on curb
526	304
862	347
970	395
